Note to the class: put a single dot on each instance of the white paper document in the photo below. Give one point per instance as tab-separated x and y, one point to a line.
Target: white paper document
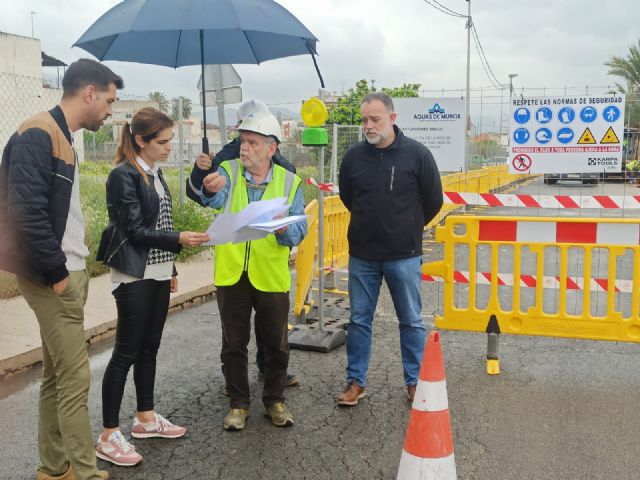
256	221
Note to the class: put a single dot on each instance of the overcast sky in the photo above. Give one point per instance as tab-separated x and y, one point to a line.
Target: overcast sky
549	43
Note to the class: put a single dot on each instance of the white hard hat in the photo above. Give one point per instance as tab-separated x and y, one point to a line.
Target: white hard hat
251	106
264	123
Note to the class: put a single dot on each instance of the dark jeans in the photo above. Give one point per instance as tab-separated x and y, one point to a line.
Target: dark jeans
272	309
142	311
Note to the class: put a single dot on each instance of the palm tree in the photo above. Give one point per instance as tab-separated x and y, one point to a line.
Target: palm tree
186	107
628	69
161	99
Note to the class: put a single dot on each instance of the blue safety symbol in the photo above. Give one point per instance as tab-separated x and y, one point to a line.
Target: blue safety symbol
522	115
565	135
566	115
611	113
521	135
588	114
544	115
543	135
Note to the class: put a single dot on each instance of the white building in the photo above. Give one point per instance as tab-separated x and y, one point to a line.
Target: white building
22	90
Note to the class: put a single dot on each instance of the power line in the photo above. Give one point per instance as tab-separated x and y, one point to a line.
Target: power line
447	11
447	8
476	39
484	66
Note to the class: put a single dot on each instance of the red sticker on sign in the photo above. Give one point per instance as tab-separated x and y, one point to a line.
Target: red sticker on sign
521	162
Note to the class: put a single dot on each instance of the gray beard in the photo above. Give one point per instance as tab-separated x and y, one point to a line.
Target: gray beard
375	140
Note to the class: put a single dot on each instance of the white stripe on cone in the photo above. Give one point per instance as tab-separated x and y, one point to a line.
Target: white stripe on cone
416	468
431	396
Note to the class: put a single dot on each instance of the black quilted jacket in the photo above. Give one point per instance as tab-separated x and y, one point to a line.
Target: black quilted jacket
36	176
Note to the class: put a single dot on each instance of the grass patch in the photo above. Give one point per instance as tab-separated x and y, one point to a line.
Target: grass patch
93	178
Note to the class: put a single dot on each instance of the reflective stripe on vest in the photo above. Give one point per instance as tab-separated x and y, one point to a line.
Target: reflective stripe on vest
265	260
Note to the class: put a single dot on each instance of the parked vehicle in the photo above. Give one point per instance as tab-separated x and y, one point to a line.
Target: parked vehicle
589	177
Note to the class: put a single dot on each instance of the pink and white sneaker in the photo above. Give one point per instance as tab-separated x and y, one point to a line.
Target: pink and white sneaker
160	427
117	450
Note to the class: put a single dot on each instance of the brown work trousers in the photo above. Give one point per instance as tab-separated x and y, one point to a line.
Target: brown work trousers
236	303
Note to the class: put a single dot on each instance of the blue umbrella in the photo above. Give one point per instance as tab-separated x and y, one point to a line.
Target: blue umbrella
176	33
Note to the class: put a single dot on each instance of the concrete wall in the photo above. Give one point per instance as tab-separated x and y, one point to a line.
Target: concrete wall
20	56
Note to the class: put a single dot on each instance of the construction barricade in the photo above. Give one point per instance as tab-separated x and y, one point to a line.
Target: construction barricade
336	222
305	261
559	277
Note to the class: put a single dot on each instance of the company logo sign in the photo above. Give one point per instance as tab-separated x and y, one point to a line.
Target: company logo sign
437	113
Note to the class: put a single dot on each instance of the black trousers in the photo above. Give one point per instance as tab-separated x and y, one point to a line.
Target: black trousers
236	303
142	311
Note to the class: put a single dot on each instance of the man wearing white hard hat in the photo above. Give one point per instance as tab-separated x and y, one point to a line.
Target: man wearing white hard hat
206	164
255	275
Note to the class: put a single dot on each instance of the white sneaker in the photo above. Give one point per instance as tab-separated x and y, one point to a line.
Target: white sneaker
117	450
160	427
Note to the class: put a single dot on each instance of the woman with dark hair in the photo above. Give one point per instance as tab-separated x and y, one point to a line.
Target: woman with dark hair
140	246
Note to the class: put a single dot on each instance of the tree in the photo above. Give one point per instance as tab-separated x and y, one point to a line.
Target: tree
186	107
347	110
406	90
628	69
161	99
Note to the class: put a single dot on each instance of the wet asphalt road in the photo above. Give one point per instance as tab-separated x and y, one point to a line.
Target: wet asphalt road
561	409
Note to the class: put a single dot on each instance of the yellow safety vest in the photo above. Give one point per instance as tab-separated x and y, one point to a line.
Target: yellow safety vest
265	260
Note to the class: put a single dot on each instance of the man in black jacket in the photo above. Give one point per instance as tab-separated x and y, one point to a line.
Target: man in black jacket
391	186
42	242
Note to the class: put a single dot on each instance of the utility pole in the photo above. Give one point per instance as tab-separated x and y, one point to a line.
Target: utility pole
511	77
467	102
32	31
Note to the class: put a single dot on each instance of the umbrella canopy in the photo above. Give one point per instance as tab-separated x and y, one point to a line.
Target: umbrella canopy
177	33
167	32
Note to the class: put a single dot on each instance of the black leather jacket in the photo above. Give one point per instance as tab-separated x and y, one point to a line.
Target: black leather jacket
133	212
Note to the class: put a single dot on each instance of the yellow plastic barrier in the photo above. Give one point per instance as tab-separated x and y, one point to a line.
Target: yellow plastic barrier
509	246
336	222
305	259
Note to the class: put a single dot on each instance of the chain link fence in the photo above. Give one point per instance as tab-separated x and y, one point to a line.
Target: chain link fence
22	96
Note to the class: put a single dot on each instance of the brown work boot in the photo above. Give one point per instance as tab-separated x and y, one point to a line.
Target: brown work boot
69	475
351	395
235	419
411	392
279	414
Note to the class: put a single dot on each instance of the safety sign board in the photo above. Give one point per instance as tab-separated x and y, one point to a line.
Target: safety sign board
570	134
438	123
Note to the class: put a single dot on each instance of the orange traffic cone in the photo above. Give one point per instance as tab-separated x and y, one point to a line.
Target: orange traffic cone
428	446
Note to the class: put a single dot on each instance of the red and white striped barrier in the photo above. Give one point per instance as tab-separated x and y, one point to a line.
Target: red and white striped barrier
542	201
326	187
590	232
530	281
428	446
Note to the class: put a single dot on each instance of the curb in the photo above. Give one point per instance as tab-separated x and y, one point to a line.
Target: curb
104	331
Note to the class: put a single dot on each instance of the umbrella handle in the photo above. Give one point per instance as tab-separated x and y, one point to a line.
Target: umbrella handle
205	145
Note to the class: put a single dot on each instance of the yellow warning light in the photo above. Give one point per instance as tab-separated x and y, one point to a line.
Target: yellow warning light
314	112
